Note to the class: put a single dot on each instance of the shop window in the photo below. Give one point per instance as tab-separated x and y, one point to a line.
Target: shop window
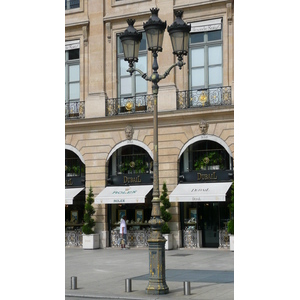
130	160
205	155
73	165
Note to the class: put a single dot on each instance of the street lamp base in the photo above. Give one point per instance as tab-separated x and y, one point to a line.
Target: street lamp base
157	289
157	272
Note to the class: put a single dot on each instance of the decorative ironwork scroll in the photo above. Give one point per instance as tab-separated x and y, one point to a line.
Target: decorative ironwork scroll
224	239
204	97
126	105
74	109
135	238
73	238
190	238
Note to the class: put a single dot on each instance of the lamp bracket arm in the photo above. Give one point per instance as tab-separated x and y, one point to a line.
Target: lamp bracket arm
144	75
179	64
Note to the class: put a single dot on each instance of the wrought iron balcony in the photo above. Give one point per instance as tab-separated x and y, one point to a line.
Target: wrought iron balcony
204	97
129	105
74	109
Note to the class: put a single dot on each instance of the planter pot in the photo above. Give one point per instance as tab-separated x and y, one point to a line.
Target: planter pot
169	242
231	239
91	241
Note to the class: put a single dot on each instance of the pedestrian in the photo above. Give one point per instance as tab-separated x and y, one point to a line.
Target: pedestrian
123	232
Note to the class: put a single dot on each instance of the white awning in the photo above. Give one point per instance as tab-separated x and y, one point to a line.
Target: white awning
71	193
200	192
123	194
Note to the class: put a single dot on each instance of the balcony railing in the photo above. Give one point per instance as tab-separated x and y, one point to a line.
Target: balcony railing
74	110
129	105
204	97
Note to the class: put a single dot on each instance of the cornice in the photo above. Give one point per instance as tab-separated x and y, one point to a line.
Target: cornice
78	23
125	16
145	120
202	3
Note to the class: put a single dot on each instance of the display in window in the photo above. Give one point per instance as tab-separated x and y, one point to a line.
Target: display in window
121	213
74	216
139	215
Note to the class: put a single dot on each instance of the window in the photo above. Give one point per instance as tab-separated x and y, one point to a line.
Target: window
205	155
72	76
70	4
205	55
130	160
135	85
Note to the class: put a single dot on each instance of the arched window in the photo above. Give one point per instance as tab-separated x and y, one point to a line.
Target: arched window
74	167
204	155
130	159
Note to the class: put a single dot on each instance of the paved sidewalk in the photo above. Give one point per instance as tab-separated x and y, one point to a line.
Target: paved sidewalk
101	273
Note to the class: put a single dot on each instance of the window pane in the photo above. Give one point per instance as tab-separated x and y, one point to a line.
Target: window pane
126	85
73	54
198	57
197	37
74	73
141	85
198	77
214	35
142	63
215	75
143	42
215	55
124	67
74	90
120	47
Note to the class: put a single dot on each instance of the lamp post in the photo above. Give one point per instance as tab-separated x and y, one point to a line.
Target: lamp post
131	38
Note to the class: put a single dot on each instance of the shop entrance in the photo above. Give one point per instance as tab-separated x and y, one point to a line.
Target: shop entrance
209	224
205	217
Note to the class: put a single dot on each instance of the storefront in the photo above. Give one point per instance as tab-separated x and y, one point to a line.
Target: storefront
203	191
74	197
128	192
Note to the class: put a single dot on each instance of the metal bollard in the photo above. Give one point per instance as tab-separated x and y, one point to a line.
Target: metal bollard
187	288
128	285
73	283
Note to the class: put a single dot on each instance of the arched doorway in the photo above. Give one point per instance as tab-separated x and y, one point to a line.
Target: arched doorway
128	192
74	196
205	175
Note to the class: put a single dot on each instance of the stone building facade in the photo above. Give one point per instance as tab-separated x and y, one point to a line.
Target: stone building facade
97	113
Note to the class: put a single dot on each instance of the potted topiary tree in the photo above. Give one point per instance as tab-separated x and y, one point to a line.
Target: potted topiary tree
230	224
166	216
90	240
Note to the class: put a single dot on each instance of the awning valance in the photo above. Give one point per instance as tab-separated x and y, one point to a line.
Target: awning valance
71	193
200	192
123	194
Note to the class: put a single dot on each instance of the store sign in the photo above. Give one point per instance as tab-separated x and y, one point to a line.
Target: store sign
68	182
74	181
131	180
123	194
209	176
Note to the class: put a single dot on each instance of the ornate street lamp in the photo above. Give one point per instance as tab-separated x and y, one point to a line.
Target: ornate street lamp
179	33
131	40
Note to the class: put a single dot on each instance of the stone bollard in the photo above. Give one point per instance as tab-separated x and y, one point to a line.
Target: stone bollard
186	288
128	285
73	283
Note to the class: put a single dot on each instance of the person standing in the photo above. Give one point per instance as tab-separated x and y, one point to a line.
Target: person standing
123	232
